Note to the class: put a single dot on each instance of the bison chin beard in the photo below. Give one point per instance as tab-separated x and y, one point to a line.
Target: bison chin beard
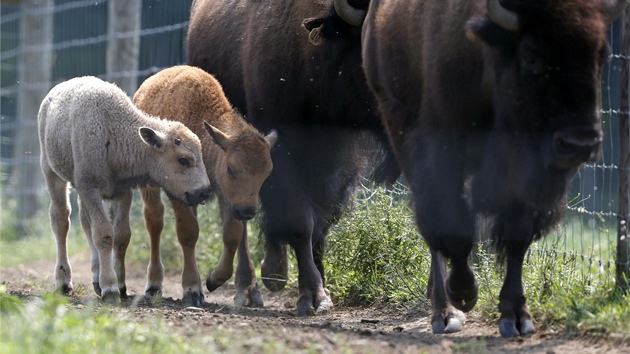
518	169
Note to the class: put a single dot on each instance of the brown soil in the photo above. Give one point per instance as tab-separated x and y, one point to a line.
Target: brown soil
344	329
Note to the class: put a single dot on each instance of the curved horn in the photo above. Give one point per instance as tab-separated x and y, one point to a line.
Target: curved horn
351	15
613	9
501	16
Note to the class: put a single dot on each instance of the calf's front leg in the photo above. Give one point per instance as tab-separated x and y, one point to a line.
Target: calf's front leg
122	235
187	234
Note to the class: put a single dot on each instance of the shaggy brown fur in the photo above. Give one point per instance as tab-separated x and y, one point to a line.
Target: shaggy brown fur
237	159
497	125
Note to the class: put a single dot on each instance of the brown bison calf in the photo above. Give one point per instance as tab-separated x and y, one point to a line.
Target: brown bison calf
92	136
237	159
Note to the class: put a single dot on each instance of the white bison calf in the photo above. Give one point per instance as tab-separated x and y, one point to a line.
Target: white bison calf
92	136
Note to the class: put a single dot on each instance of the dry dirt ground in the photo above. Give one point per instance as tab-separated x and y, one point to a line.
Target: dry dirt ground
357	330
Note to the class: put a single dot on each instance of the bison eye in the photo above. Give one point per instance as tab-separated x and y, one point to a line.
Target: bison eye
178	141
183	161
230	172
533	62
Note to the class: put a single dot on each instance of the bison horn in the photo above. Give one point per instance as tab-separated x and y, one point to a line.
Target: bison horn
501	16
613	9
351	15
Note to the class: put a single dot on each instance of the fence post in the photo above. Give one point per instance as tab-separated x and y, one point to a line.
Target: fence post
34	72
624	160
123	44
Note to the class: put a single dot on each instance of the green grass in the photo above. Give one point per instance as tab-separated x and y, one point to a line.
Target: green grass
51	325
376	255
38	243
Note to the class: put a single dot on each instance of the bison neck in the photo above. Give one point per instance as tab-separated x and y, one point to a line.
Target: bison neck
130	160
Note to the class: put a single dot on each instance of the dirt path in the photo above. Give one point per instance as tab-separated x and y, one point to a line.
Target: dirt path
361	330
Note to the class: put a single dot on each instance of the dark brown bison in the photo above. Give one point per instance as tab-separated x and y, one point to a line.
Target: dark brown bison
491	108
314	93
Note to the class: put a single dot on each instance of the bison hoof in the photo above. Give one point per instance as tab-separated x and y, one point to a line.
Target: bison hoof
123	293
463	299
452	323
508	327
306	307
251	299
111	297
97	288
240	299
274	282
193	299
65	289
323	306
153	292
212	286
255	298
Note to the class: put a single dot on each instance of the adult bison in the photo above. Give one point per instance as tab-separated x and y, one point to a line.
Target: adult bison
314	93
497	101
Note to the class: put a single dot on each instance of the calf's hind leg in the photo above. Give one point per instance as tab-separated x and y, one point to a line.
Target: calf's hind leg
233	232
102	235
94	262
60	223
154	221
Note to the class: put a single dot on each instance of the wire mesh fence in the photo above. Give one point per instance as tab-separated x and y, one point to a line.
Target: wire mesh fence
45	42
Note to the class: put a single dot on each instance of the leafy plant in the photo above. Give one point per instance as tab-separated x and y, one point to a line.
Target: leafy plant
375	252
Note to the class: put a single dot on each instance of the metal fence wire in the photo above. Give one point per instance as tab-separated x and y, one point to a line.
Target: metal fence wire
45	42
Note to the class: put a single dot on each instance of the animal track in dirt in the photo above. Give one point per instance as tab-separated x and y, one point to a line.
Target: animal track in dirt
376	329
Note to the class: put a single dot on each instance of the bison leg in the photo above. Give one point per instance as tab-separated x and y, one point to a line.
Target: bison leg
312	297
247	292
94	262
187	234
153	211
60	223
275	266
102	236
318	256
233	230
446	318
515	231
122	235
461	286
447	224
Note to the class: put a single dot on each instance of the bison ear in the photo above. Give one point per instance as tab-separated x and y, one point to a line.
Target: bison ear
272	138
218	136
151	137
312	23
